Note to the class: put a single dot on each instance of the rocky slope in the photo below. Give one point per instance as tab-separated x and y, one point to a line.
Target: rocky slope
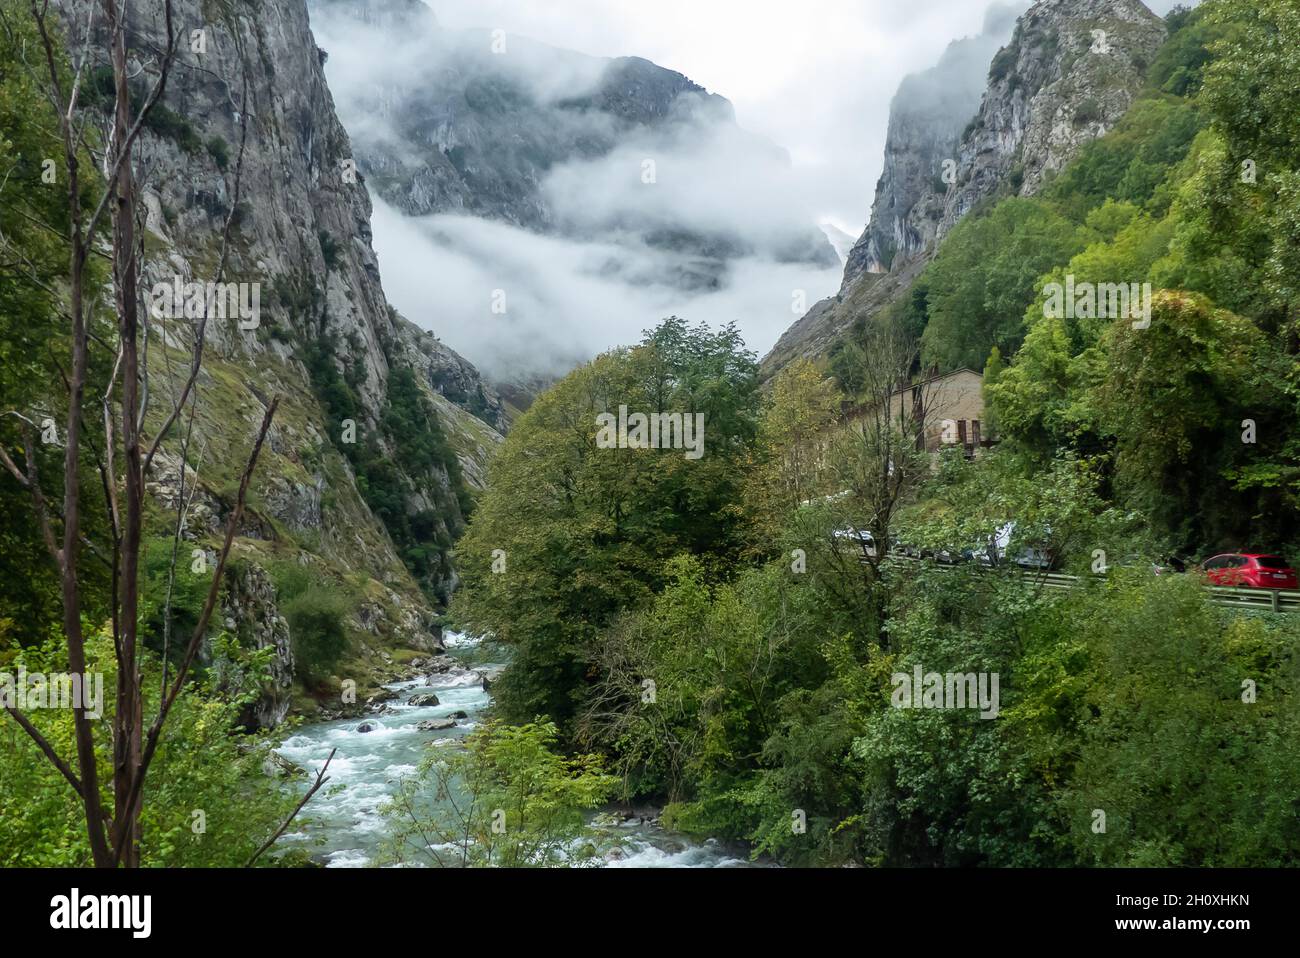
1071	69
301	237
926	119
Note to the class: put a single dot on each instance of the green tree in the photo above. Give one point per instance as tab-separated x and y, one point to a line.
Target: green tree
1175	396
1187	732
33	340
506	799
203	765
798	417
569	534
985	277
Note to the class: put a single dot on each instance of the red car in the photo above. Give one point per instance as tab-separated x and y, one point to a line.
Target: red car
1250	571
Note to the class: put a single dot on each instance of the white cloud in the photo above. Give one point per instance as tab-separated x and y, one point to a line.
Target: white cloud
814	76
565	300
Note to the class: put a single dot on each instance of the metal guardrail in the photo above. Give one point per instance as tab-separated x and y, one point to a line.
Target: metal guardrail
1236	597
1267	600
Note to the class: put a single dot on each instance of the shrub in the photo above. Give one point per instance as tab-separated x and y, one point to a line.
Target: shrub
317	630
1089	111
219	152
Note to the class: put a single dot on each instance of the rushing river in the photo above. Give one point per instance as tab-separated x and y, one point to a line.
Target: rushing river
345	827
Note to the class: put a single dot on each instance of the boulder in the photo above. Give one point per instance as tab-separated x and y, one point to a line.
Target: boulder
422	699
276	765
436	725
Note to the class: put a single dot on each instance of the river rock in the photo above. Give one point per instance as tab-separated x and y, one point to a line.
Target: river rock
276	765
367	726
459	715
436	725
423	698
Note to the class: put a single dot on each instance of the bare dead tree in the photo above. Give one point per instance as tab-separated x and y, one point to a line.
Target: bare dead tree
879	458
114	838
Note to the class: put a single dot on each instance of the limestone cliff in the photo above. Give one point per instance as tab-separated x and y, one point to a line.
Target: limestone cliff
247	104
1070	70
926	119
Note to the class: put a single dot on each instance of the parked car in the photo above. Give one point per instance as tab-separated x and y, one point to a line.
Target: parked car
1033	557
857	538
998	551
1168	565
951	556
1250	570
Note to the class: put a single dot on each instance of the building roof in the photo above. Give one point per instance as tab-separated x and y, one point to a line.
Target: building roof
939	378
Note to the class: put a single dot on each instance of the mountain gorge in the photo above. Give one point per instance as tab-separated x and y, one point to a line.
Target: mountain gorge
766	613
384	432
538	179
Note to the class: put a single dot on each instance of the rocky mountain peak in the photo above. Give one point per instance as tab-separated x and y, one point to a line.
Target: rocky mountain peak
1071	70
926	119
638	91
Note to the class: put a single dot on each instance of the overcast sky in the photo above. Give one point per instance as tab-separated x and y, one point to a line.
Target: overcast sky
814	76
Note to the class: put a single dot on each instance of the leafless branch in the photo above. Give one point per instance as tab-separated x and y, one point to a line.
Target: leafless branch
320	780
45	747
200	629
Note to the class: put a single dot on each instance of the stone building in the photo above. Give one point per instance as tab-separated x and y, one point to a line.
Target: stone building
948	409
945	410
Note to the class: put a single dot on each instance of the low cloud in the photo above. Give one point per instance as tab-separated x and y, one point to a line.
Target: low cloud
726	229
566	300
594	216
713	179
